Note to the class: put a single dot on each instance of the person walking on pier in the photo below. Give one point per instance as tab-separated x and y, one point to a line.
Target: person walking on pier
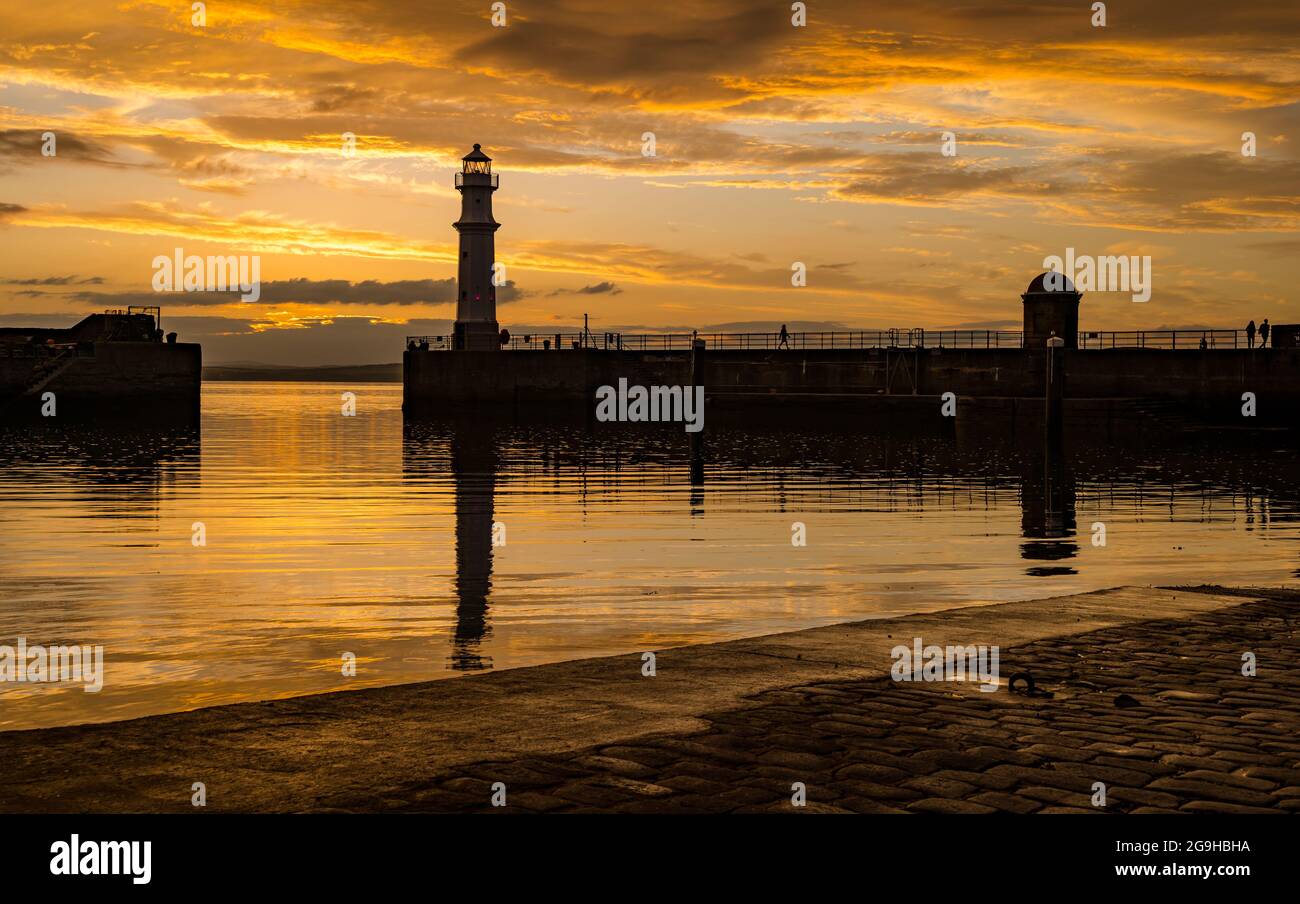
1250	334
783	340
1263	333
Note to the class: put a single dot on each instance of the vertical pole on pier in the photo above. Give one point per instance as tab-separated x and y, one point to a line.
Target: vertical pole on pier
697	438
1054	390
1053	476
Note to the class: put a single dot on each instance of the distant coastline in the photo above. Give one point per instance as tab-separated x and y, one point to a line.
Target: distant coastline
351	373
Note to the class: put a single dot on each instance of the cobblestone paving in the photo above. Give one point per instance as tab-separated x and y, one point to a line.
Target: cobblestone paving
1196	737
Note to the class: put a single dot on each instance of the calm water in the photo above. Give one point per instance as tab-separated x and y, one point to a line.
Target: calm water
330	534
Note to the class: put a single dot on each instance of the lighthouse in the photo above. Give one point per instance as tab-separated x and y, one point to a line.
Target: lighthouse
476	305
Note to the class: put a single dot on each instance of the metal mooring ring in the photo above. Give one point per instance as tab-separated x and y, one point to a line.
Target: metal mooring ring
1029	684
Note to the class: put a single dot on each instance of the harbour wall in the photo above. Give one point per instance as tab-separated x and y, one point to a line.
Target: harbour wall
148	380
1204	384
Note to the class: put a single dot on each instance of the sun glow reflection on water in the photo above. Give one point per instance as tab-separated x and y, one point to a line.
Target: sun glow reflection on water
328	534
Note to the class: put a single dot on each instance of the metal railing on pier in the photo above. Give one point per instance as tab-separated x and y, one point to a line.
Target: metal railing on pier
1164	339
848	339
428	343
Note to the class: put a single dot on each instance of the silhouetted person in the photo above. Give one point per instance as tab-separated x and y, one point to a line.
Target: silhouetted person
1250	334
783	340
505	336
1203	344
1263	333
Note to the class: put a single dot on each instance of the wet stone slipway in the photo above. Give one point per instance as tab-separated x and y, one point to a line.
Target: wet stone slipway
1157	711
1148	698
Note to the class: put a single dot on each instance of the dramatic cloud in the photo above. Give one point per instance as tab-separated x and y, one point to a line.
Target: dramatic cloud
772	145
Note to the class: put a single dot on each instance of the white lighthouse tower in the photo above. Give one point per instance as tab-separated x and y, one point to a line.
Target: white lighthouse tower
476	306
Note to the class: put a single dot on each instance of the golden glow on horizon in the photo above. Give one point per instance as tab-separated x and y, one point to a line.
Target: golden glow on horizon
774	144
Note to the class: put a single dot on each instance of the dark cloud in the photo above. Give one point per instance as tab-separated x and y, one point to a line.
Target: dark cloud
24	146
930	178
597	49
337	98
600	288
55	281
312	291
1221	191
214	173
1150	189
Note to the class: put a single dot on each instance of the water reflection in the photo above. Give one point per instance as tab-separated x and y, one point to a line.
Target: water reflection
474	469
118	472
1047	503
371	535
696	441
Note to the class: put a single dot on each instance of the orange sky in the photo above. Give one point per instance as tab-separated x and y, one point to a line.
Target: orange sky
774	144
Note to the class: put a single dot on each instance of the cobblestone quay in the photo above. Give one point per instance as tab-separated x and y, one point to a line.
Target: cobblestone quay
1158	711
1156	708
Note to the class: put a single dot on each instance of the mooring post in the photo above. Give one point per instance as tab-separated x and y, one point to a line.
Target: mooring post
697	437
1054	391
1054	514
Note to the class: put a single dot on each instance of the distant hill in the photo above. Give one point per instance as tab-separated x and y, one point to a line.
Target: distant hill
332	373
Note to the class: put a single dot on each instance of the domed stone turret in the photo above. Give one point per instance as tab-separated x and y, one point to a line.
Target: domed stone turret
1051	309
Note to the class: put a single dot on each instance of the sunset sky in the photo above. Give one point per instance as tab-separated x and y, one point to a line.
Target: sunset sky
774	144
